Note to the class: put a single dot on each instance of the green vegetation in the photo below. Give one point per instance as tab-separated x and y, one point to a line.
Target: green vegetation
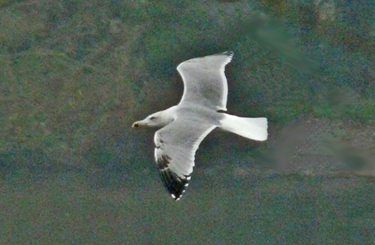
74	75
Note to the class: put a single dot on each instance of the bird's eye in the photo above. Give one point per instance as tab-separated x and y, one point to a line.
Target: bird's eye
152	118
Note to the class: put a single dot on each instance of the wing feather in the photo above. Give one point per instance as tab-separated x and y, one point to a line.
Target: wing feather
175	147
205	82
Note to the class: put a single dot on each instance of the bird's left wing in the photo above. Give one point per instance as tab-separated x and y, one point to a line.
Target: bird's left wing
175	147
204	80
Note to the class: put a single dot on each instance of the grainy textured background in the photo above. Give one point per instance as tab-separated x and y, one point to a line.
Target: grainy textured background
74	76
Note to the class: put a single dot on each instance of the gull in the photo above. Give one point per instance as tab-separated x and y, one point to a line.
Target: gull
201	109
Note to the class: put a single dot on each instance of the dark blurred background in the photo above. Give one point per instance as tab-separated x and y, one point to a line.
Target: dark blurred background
74	76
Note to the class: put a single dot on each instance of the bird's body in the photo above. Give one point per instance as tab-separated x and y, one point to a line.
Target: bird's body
200	110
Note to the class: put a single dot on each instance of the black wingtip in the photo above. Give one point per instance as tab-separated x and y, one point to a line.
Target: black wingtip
173	183
228	53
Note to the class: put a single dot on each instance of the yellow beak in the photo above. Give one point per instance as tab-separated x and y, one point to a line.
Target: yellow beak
136	124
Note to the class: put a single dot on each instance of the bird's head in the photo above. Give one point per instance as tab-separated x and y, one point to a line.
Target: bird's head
153	120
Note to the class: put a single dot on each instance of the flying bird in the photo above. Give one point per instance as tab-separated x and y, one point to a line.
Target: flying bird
201	109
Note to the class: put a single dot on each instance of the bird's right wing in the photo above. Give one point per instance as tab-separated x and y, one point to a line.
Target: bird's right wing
175	147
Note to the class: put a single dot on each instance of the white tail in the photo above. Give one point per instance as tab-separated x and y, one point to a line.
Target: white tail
252	128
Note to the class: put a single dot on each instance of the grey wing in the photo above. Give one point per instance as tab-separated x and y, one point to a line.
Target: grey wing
205	82
175	147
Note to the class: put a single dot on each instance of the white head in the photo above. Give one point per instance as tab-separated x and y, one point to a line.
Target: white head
158	119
